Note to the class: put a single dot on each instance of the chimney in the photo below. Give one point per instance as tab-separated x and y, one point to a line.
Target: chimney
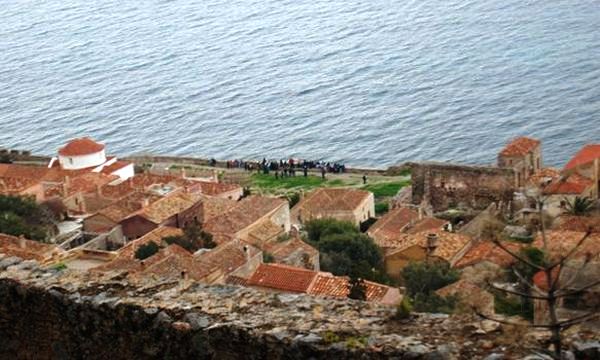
432	242
145	202
215	176
420	211
247	252
183	174
98	190
22	242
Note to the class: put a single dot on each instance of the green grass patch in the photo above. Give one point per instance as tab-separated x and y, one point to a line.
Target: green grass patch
269	182
381	208
386	189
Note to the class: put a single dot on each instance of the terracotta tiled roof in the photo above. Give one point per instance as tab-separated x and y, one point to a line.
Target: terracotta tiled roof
215	206
391	229
245	213
225	258
427	224
585	156
448	245
23	248
264	232
14	186
333	199
125	259
117	165
23	171
88	182
393	223
338	286
543	176
562	242
520	146
487	251
81	146
579	223
236	280
213	188
282	277
163	209
574	184
282	250
126	206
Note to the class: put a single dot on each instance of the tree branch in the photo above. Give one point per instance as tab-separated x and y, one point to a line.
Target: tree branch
519	293
563	293
480	314
518	257
570	253
578	320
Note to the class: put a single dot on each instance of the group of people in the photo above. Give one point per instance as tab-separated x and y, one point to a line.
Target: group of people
285	168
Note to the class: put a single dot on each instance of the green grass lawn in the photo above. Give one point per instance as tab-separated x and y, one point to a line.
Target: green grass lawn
269	182
386	189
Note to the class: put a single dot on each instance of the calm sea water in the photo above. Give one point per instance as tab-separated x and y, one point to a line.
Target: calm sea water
369	82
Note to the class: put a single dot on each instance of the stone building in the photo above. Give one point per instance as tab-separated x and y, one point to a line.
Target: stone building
442	186
524	156
355	206
586	163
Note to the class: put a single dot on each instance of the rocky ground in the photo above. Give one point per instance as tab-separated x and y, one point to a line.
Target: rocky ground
304	325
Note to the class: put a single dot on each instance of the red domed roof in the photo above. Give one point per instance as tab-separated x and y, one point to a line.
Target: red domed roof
82	146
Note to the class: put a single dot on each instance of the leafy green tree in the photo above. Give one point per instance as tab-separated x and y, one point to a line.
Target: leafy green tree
346	251
23	216
317	229
580	206
146	250
427	277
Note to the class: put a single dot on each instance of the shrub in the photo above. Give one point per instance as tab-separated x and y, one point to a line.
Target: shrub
268	258
381	208
434	303
425	277
146	250
404	309
59	266
329	337
346	251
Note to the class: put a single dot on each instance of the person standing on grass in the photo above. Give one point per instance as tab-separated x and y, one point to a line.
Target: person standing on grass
305	169
365	179
323	171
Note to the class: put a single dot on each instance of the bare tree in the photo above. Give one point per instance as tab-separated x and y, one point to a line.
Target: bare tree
553	290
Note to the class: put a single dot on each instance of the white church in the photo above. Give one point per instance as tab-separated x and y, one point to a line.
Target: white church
85	153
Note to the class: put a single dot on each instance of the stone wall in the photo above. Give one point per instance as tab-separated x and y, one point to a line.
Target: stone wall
445	186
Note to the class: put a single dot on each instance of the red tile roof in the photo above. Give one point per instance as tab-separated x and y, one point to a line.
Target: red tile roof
333	199
574	184
585	156
487	251
282	277
579	223
245	213
282	250
117	165
81	146
520	146
449	245
562	242
338	286
23	248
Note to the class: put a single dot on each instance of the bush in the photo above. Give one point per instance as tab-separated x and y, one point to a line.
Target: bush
346	251
425	277
404	309
193	238
381	208
146	250
293	199
434	303
268	258
23	216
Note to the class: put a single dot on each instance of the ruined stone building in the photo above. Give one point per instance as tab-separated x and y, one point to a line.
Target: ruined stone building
442	186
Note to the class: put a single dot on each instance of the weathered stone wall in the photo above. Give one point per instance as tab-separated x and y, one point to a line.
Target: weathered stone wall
446	185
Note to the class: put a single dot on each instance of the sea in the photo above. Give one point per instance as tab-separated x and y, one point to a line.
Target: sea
365	82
